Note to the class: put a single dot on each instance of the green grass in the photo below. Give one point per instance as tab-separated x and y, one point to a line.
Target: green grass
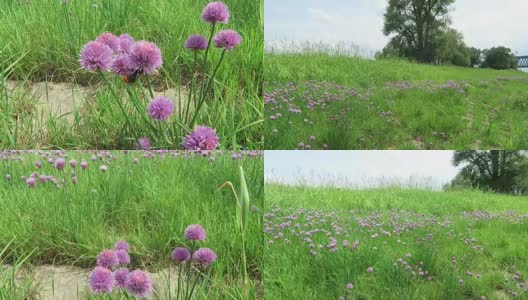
41	41
440	107
434	231
149	204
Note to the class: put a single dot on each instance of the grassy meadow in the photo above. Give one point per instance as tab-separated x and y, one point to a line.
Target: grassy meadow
330	243
320	101
145	198
42	41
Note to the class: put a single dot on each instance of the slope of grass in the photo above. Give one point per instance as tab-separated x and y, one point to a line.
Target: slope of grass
41	41
148	203
354	103
419	244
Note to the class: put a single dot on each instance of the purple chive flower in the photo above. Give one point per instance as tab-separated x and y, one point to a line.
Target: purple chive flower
123	257
59	163
216	12
84	165
107	259
101	280
73	163
122	66
145	57
138	283
227	39
96	56
370	269
202	138
31	182
121	245
181	255
349	286
38	164
196	42
160	108
74	179
125	43
143	143
121	276
194	232
109	39
204	257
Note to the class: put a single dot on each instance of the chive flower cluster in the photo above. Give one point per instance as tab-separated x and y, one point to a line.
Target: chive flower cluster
112	274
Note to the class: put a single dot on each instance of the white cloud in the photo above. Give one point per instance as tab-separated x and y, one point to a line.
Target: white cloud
323	16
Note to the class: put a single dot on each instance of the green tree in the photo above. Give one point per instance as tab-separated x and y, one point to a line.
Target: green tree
451	49
499	58
475	56
416	24
491	170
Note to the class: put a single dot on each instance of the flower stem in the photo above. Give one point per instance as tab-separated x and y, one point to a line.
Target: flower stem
192	87
150	86
117	99
209	84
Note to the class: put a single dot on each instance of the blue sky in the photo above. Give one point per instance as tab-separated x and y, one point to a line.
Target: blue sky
484	23
360	168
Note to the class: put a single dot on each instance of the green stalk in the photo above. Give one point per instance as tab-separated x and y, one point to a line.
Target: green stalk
150	86
244	259
193	286
205	57
192	87
117	99
179	281
204	94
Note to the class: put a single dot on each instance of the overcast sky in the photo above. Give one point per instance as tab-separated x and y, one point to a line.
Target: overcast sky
484	23
360	169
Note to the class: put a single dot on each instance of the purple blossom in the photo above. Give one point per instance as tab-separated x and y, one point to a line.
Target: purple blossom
194	232
84	165
121	276
204	257
143	143
73	163
202	138
227	39
181	255
138	283
59	163
101	280
145	57
123	257
107	259
110	40
349	286
216	12
31	182
160	108
121	245
125	43
196	42
96	56
122	66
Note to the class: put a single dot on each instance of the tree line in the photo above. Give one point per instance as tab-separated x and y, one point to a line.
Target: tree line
492	170
420	30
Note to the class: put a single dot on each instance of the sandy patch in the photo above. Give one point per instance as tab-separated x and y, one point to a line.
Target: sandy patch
67	282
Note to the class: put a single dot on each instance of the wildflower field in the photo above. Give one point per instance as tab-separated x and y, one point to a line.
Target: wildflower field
103	74
329	243
130	225
319	101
